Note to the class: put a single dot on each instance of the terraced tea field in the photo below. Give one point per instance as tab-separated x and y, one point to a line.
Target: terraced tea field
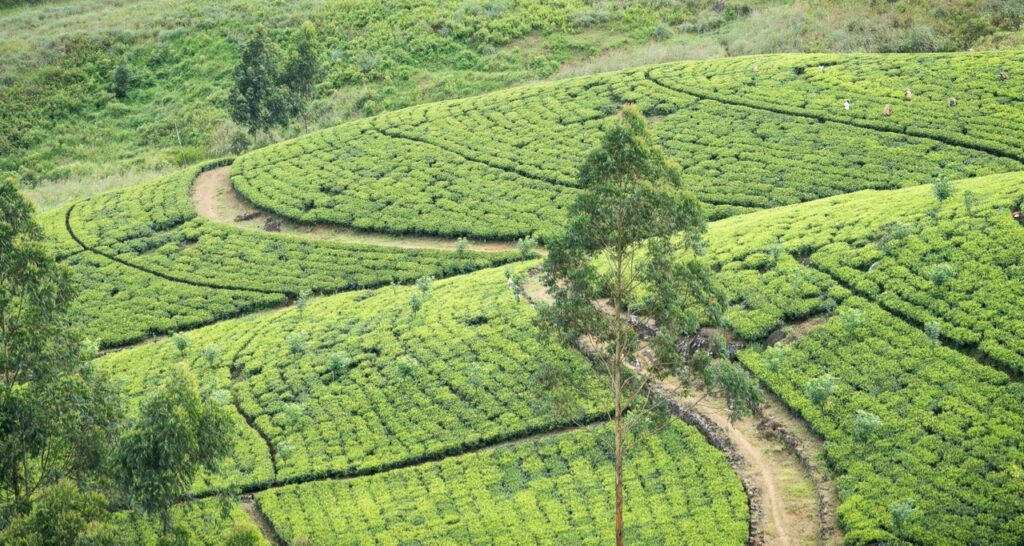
373	408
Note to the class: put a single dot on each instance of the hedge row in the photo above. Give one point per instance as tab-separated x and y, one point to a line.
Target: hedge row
551	491
986	114
361	381
505	164
201	251
926	442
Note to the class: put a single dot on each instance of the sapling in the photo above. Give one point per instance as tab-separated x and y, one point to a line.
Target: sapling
180	342
943	189
865	424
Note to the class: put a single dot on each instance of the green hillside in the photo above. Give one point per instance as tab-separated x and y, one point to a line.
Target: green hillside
63	121
872	266
364	385
503	164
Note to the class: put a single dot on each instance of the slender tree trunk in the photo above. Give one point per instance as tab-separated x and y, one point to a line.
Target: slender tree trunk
620	528
620	534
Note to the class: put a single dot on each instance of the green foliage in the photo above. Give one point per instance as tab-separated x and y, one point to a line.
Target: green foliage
243	534
527	247
943	189
869	82
303	68
122	80
342	406
62	515
926	398
865	424
176	434
257	99
451	168
820	388
552	490
56	413
180	342
61	119
177	271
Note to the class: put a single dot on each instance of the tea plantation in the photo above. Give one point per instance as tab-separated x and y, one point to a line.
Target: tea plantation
873	266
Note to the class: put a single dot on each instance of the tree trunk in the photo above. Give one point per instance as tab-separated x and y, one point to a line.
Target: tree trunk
620	531
619	350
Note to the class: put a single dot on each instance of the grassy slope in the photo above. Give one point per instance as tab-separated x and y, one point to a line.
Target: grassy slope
61	122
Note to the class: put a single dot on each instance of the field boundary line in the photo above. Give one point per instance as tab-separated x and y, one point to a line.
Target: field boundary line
823	118
971	351
391	133
109	256
499	442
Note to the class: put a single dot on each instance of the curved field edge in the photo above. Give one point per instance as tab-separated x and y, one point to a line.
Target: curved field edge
503	164
904	380
147	265
549	490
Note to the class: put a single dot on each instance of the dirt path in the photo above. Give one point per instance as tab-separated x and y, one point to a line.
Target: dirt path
252	509
780	455
216	199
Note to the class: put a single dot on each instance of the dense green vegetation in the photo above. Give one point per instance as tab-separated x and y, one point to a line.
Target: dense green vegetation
947	442
503	164
548	491
984	115
945	264
63	118
924	438
361	414
363	381
153	267
95	92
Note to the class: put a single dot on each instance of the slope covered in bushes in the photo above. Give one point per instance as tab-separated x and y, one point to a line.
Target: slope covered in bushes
146	264
504	164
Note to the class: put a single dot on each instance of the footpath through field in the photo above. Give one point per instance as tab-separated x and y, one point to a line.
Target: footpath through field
779	456
216	199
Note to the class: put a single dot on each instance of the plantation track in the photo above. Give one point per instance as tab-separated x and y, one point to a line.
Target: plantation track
774	475
830	119
215	199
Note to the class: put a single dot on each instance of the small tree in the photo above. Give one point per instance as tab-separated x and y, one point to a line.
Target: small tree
122	80
634	237
177	433
303	69
180	342
56	413
257	100
62	515
942	189
526	246
820	388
